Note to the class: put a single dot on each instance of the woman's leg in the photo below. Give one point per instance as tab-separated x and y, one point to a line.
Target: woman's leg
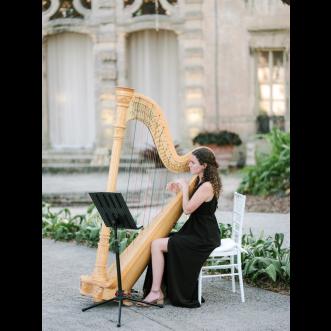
159	246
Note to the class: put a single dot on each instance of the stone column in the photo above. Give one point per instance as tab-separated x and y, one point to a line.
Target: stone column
193	66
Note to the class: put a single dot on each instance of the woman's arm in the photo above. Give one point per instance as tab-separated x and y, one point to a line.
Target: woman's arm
204	193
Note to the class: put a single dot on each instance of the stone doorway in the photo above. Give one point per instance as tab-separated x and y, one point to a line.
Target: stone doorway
69	80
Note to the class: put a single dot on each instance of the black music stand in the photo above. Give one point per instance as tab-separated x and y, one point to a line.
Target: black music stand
115	214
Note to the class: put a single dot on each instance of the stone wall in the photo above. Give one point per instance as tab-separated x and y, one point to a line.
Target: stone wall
216	40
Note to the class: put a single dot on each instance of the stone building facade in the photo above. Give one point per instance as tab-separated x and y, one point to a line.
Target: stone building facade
210	64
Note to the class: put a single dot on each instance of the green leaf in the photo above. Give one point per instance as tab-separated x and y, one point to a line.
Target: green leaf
271	272
123	245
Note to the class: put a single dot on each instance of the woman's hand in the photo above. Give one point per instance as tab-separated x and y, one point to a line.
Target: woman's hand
173	187
182	183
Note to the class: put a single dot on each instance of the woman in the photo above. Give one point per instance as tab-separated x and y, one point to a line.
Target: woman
177	260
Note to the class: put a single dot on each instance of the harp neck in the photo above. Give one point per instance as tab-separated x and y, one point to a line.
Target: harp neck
148	112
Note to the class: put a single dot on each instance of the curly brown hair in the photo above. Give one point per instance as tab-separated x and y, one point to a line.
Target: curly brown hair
210	174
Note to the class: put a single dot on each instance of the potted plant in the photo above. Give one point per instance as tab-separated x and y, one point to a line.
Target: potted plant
150	154
215	139
221	142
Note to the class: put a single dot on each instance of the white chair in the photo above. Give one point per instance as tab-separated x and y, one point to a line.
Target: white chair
228	250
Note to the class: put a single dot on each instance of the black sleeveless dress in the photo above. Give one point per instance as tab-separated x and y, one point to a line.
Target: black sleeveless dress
188	249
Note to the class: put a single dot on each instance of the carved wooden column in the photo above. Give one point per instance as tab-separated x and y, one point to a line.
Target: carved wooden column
123	97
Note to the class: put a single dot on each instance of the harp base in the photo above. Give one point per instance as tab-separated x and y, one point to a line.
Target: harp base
96	289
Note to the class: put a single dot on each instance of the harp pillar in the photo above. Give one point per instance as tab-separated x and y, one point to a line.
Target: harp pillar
99	278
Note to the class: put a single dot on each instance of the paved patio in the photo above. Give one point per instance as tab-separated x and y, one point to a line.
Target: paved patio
64	263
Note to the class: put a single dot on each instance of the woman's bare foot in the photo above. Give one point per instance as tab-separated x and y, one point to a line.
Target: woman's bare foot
154	297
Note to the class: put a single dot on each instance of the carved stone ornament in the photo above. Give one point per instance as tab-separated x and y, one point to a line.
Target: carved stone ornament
136	8
62	9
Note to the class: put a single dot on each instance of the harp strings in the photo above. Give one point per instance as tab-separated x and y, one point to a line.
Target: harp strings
128	167
144	173
145	179
150	162
133	170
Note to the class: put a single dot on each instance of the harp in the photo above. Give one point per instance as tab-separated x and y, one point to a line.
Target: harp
102	283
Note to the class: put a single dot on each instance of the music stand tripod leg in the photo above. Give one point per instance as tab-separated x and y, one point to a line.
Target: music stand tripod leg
119	312
98	304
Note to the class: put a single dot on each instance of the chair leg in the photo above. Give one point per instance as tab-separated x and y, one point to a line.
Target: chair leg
200	286
240	278
232	276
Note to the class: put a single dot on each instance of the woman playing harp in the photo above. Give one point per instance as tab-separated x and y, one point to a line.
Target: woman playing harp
177	260
134	107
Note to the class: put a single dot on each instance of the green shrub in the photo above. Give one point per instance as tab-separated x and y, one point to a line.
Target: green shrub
89	230
125	239
271	174
266	259
220	138
60	225
225	230
84	229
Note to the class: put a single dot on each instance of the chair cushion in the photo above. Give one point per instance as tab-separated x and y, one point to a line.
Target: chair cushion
227	244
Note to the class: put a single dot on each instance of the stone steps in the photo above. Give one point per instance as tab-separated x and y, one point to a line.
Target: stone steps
83	199
65	168
56	163
82	168
70	159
